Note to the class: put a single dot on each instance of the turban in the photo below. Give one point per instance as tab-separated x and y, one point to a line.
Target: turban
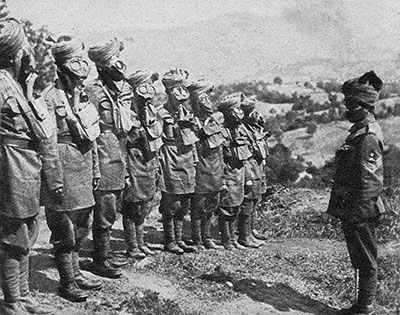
104	51
364	89
175	78
249	104
231	101
66	48
141	76
12	38
200	87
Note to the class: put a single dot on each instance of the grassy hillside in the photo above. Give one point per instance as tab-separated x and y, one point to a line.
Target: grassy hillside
322	145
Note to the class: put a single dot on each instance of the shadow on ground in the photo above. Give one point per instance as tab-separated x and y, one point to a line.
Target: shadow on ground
281	296
40	261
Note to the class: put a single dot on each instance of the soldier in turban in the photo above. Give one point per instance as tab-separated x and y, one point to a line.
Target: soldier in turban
209	169
177	157
358	183
237	150
144	142
71	170
254	171
112	96
22	128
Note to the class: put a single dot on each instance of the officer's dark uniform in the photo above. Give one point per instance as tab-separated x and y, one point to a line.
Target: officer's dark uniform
237	150
209	169
112	95
144	142
355	196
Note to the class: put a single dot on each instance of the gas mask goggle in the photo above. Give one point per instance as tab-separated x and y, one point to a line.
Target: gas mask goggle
255	118
205	102
146	91
115	68
27	63
180	93
235	114
77	67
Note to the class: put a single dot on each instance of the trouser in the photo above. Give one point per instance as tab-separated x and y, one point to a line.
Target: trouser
133	216
173	209
202	208
227	220
363	250
244	219
106	209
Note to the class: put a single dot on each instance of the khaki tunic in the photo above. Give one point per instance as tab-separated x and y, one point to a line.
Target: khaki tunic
70	167
111	144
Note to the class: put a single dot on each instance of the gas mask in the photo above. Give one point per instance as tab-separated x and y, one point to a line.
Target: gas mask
355	112
180	93
235	116
205	104
114	68
25	63
77	68
145	91
254	118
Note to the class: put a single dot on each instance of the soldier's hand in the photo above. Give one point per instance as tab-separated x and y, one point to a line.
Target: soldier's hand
58	195
96	183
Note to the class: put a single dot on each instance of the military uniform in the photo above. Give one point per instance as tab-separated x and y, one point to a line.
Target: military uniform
22	127
144	142
358	183
177	159
209	169
237	150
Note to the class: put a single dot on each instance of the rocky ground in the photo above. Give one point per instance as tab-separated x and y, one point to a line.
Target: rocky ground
286	276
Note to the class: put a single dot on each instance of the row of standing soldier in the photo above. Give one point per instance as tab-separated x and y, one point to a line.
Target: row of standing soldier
101	148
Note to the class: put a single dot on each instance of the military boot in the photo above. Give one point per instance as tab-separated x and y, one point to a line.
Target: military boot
130	235
232	232
245	233
81	280
32	306
101	266
10	277
223	224
140	241
68	288
206	232
169	238
178	226
196	233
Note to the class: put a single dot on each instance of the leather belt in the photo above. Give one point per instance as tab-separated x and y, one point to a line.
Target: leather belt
20	143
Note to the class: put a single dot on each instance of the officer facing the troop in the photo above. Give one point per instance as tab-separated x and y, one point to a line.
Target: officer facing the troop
112	95
144	142
210	168
23	124
358	183
236	151
178	157
71	168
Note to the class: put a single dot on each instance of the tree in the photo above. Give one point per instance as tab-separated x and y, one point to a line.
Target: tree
278	80
45	66
311	128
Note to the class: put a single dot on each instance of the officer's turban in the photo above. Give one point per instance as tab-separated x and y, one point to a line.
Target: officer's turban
231	101
249	104
12	38
66	48
200	87
364	89
105	50
141	76
174	78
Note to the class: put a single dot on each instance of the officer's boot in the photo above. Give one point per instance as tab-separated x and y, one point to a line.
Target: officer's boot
244	232
131	239
232	233
101	266
32	306
196	233
178	225
206	232
68	288
10	273
81	280
223	224
366	295
140	240
169	238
